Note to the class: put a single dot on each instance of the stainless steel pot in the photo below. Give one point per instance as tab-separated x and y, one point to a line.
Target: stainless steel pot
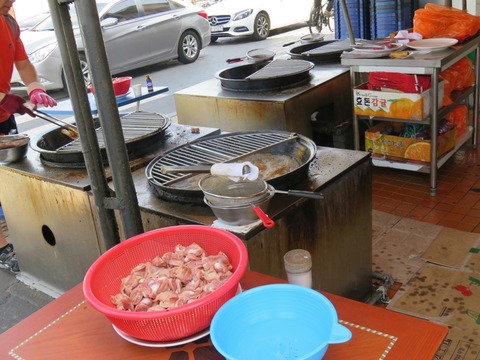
240	215
13	148
222	191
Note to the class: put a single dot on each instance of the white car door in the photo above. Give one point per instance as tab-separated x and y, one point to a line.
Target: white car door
125	42
287	12
276	11
296	11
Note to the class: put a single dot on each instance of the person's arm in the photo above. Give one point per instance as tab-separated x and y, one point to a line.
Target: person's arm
27	71
35	90
12	103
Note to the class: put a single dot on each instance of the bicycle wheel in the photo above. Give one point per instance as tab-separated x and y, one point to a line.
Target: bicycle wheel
314	23
330	22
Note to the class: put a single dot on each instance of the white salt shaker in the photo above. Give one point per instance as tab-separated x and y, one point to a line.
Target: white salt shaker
298	265
137	91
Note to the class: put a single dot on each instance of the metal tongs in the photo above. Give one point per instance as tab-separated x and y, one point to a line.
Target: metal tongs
70	130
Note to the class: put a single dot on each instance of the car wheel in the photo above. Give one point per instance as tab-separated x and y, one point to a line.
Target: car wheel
261	28
64	81
85	69
188	47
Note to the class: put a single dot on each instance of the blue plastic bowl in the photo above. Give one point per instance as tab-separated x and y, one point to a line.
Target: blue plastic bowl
281	321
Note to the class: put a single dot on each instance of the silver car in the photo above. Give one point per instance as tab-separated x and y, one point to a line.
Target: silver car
136	33
31	21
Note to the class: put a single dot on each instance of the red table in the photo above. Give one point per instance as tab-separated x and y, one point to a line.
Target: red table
68	328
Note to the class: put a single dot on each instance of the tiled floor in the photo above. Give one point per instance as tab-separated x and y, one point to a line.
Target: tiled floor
457	203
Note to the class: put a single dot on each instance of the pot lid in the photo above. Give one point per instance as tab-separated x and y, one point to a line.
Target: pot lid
279	68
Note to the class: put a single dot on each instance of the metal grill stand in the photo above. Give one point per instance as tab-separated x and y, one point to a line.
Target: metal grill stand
124	199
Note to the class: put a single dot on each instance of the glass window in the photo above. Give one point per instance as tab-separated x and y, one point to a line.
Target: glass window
47	24
177	5
155	6
123	11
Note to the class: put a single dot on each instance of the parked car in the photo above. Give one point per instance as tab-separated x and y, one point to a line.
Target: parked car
28	15
31	21
232	18
136	33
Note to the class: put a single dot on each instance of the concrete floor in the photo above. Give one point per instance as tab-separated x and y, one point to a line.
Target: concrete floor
18	300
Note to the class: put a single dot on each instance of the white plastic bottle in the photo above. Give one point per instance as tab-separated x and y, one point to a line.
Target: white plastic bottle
298	265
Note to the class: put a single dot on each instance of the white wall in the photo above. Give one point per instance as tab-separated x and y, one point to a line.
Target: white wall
473	6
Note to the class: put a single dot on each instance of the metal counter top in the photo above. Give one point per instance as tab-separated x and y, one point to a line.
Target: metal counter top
318	75
417	63
32	165
328	165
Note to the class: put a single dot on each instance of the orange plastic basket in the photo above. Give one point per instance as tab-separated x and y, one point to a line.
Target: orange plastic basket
103	279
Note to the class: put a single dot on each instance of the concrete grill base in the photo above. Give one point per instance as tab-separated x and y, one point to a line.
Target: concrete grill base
337	231
207	104
51	216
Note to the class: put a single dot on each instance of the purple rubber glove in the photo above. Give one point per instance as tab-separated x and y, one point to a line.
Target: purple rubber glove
15	104
39	96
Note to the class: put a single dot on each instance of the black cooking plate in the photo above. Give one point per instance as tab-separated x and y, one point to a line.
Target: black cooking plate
141	130
231	147
317	53
266	75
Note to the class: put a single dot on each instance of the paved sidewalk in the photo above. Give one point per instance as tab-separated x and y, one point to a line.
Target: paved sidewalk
17	300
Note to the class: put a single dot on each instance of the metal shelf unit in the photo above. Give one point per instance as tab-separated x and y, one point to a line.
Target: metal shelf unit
431	64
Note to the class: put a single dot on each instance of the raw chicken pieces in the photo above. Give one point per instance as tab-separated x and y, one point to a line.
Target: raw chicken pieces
173	279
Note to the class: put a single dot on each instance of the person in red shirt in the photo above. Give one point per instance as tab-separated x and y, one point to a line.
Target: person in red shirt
12	53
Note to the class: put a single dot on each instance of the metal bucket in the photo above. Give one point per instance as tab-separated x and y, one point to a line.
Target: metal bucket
13	148
222	191
241	215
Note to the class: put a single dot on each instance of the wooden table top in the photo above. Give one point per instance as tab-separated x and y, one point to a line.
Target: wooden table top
68	328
